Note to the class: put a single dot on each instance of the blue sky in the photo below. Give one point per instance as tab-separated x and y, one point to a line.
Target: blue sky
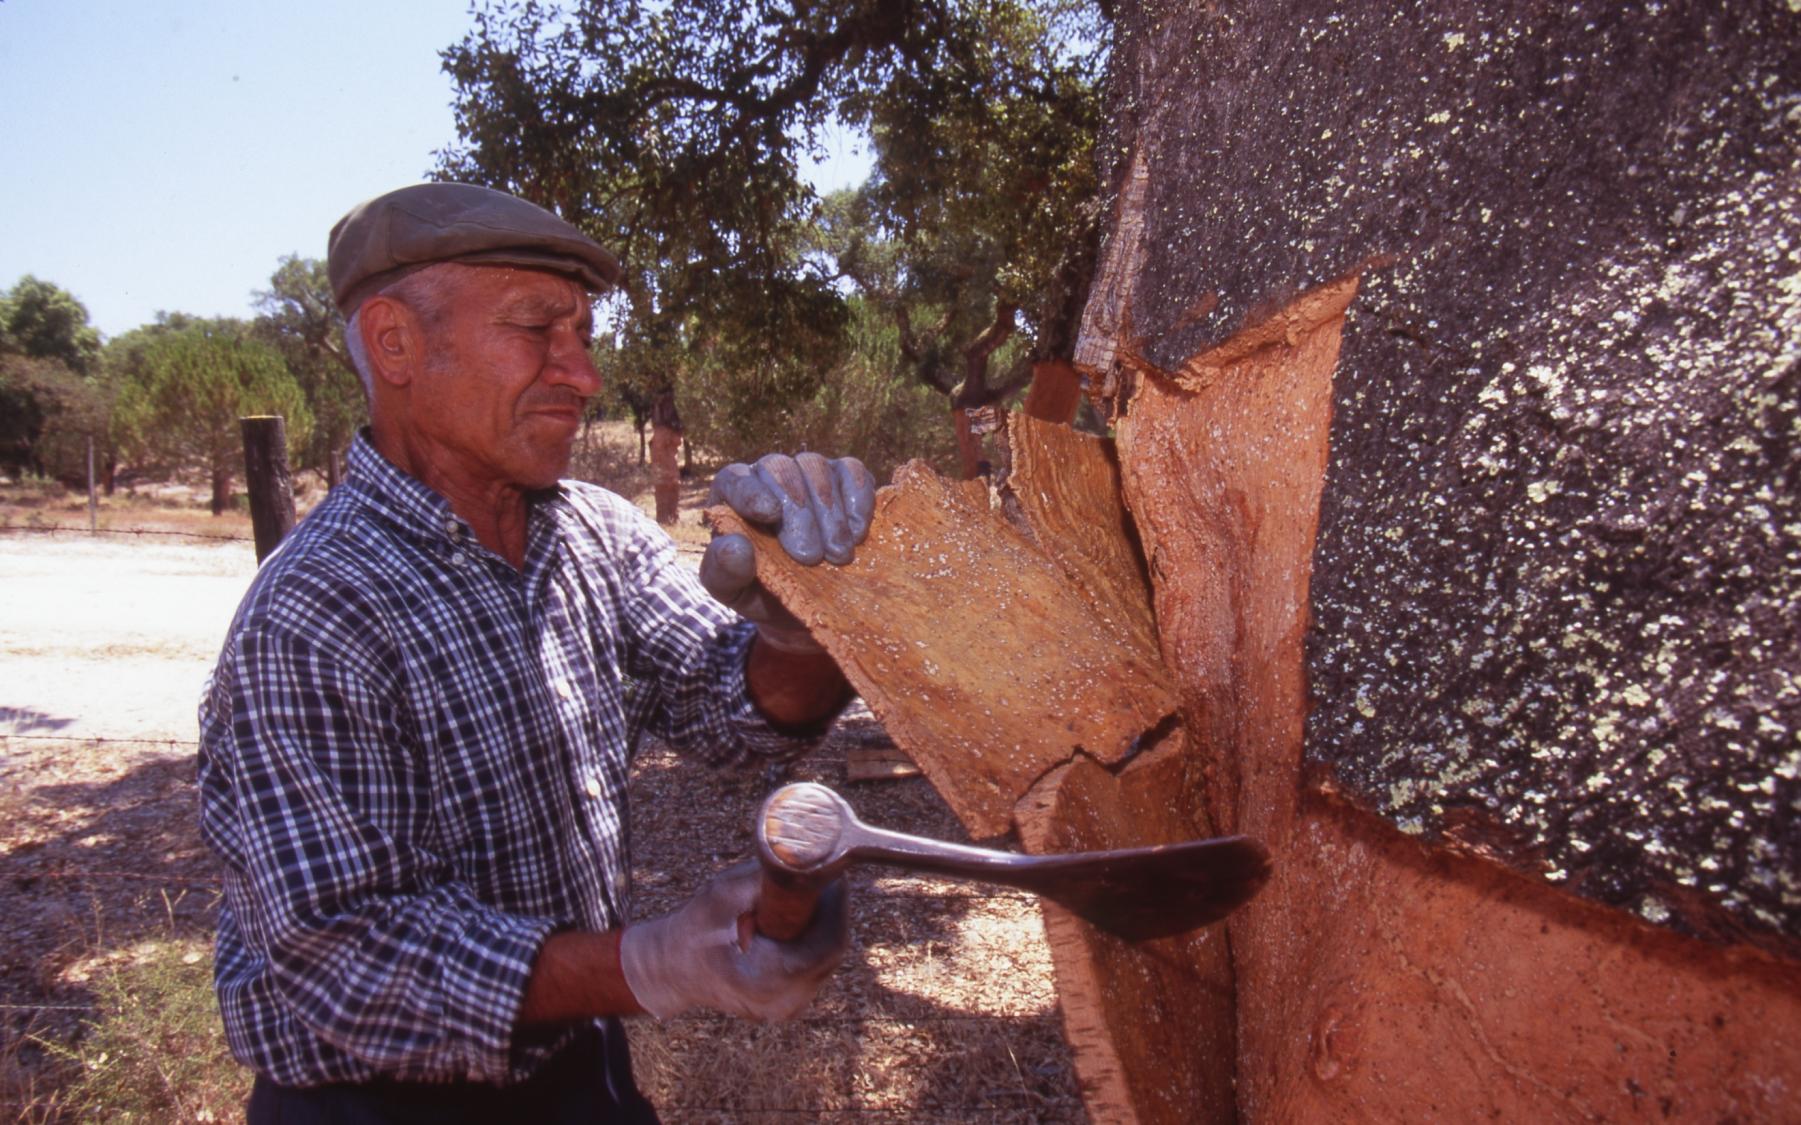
164	154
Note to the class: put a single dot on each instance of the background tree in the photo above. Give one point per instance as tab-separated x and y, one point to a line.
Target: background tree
52	397
297	316
976	230
42	320
675	135
184	385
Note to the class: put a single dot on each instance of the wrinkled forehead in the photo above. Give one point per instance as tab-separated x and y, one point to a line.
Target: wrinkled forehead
548	295
508	292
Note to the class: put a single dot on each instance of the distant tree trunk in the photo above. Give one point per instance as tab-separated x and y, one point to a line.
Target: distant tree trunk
221	487
665	438
969	446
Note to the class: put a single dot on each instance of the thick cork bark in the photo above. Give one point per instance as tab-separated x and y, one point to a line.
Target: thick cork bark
1377	979
982	658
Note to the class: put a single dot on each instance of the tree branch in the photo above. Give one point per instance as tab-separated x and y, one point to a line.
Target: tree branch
975	356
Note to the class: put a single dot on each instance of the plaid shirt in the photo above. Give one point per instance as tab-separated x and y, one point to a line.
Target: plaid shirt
413	767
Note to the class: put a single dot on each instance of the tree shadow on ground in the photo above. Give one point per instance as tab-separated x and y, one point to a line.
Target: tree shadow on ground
89	871
29	720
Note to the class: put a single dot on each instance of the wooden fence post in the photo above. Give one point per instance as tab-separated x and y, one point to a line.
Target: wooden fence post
93	504
267	481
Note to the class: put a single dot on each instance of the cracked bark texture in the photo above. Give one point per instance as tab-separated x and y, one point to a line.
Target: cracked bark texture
1451	354
980	654
1560	542
1536	647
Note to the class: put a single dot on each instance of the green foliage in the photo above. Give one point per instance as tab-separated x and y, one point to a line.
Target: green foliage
183	385
22	412
674	133
865	406
44	321
157	1053
47	414
978	225
52	399
297	316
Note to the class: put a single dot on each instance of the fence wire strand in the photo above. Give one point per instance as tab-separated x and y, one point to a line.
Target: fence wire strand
72	529
99	740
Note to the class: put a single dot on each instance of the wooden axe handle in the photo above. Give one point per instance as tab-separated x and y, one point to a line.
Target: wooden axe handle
786	905
797	831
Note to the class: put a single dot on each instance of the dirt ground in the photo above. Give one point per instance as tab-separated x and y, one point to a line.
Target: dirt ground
944	1011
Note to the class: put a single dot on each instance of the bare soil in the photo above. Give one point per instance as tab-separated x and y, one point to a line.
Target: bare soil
944	1011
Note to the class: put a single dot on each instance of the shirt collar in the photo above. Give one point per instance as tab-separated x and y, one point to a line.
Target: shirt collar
411	505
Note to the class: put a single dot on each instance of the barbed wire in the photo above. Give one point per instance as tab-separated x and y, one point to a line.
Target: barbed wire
73	529
99	740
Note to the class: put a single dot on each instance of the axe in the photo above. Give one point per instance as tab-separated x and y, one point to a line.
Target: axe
807	835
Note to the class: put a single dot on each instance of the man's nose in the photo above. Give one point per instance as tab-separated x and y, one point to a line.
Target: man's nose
570	364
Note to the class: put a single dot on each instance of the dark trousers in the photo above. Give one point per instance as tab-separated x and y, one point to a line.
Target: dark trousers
588	1081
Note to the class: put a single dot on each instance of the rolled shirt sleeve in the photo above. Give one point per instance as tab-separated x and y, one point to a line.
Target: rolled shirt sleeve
685	653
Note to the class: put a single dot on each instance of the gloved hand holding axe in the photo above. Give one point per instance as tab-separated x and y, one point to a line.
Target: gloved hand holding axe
706	955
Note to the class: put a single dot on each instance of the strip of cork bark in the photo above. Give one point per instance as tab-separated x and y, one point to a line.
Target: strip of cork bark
980	656
1222	464
1151	1024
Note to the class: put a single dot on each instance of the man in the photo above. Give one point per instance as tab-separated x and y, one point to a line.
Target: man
414	745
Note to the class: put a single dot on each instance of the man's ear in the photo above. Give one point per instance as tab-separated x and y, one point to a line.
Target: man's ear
393	339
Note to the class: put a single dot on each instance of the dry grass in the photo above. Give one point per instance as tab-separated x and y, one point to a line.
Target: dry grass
945	1010
164	508
153	1051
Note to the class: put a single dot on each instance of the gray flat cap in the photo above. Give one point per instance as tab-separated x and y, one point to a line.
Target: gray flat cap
385	237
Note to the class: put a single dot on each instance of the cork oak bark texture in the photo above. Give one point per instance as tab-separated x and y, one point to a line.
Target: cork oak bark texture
1452	354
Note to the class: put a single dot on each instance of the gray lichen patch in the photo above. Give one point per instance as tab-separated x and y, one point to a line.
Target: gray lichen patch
1555	592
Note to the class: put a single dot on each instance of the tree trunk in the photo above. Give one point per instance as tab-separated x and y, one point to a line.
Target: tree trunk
1056	391
665	474
969	446
221	488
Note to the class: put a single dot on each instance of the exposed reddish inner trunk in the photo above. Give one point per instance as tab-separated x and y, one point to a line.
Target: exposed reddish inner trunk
1375	979
1016	658
665	473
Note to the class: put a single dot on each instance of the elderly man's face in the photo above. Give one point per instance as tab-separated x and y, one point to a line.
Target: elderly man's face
507	376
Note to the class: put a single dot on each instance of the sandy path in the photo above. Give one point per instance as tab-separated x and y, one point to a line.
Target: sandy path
112	637
945	1010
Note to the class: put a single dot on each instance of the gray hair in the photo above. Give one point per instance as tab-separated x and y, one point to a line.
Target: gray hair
426	291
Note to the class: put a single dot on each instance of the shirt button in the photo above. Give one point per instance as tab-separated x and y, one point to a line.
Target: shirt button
453	529
563	689
457	558
593	786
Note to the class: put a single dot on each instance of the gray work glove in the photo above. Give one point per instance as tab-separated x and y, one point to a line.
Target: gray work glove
692	958
817	508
